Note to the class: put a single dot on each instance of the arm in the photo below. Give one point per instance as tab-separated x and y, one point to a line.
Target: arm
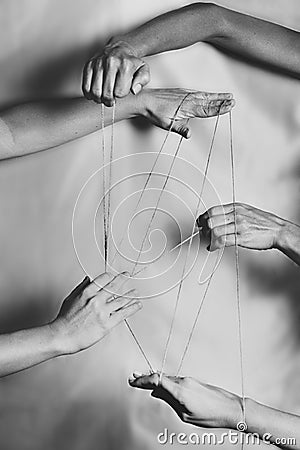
256	230
33	127
121	66
86	316
208	406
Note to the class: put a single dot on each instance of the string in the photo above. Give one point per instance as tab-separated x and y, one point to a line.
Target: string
237	266
155	210
105	231
189	248
111	157
189	340
106	210
157	204
153	167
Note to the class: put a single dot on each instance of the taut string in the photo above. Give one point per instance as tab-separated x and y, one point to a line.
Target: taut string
152	169
106	210
189	247
241	426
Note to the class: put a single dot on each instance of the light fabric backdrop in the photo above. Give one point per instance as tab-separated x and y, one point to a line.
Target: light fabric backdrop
83	402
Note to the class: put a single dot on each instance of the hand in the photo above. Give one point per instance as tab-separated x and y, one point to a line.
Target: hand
195	403
92	310
256	229
114	73
161	105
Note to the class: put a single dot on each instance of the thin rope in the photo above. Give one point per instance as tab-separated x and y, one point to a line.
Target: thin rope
105	237
139	346
106	211
240	333
188	343
153	167
111	157
157	204
189	247
153	215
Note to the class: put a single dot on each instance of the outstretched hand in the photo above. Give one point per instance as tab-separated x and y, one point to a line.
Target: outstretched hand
92	309
160	107
194	402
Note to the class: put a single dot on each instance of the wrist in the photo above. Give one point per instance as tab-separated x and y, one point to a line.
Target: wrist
141	103
60	342
54	341
283	236
234	413
128	43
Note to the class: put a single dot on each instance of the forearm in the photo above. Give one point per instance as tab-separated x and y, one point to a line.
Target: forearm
33	127
276	426
288	241
27	348
173	30
245	37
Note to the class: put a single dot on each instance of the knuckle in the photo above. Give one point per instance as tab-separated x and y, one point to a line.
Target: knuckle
111	61
96	92
221	241
88	292
216	232
97	63
126	65
210	223
121	92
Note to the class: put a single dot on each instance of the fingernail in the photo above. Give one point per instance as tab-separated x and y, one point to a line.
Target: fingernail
137	374
137	88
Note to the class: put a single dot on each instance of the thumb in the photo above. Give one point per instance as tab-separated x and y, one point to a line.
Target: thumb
140	79
182	129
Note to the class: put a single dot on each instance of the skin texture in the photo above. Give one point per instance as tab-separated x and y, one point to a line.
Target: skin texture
33	127
86	316
121	68
209	406
256	230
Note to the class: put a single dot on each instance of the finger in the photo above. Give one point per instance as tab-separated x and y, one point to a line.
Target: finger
87	79
182	129
123	80
79	288
215	210
96	83
148	382
109	78
219	220
97	284
122	300
222	230
226	107
224	241
141	78
213	96
125	313
154	381
116	286
216	108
